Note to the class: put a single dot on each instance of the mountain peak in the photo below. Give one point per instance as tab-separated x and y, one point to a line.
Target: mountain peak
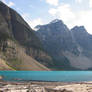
56	21
79	28
82	27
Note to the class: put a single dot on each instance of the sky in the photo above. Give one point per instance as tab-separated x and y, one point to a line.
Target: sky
40	12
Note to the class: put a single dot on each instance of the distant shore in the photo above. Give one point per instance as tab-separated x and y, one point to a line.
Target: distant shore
35	86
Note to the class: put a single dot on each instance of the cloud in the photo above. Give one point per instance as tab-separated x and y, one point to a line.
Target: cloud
78	1
35	22
63	12
53	2
53	11
90	3
10	4
83	18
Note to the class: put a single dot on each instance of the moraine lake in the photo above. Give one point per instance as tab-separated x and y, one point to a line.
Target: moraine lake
60	76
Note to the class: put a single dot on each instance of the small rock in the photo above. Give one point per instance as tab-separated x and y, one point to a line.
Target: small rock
64	90
1	77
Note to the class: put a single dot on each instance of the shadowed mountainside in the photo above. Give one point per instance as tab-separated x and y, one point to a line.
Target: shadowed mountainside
20	48
71	49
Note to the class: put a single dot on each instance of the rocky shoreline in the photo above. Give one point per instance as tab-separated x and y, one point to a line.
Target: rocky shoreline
45	86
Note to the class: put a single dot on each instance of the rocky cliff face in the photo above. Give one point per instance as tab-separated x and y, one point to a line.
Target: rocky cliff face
19	45
71	49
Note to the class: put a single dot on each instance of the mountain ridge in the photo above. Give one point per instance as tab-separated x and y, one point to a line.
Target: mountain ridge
68	44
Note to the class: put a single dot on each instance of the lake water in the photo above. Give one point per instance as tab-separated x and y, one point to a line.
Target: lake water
64	76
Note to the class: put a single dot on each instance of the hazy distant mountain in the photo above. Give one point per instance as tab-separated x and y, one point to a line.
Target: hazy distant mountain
71	49
20	48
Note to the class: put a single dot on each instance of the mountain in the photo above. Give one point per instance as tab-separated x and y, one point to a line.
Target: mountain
52	47
20	48
70	49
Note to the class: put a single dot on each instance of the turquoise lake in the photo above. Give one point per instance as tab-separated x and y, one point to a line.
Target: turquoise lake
61	76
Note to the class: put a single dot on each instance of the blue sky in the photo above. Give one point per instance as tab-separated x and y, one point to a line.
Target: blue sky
72	12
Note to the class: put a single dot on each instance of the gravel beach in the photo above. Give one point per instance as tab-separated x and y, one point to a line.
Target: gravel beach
45	86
